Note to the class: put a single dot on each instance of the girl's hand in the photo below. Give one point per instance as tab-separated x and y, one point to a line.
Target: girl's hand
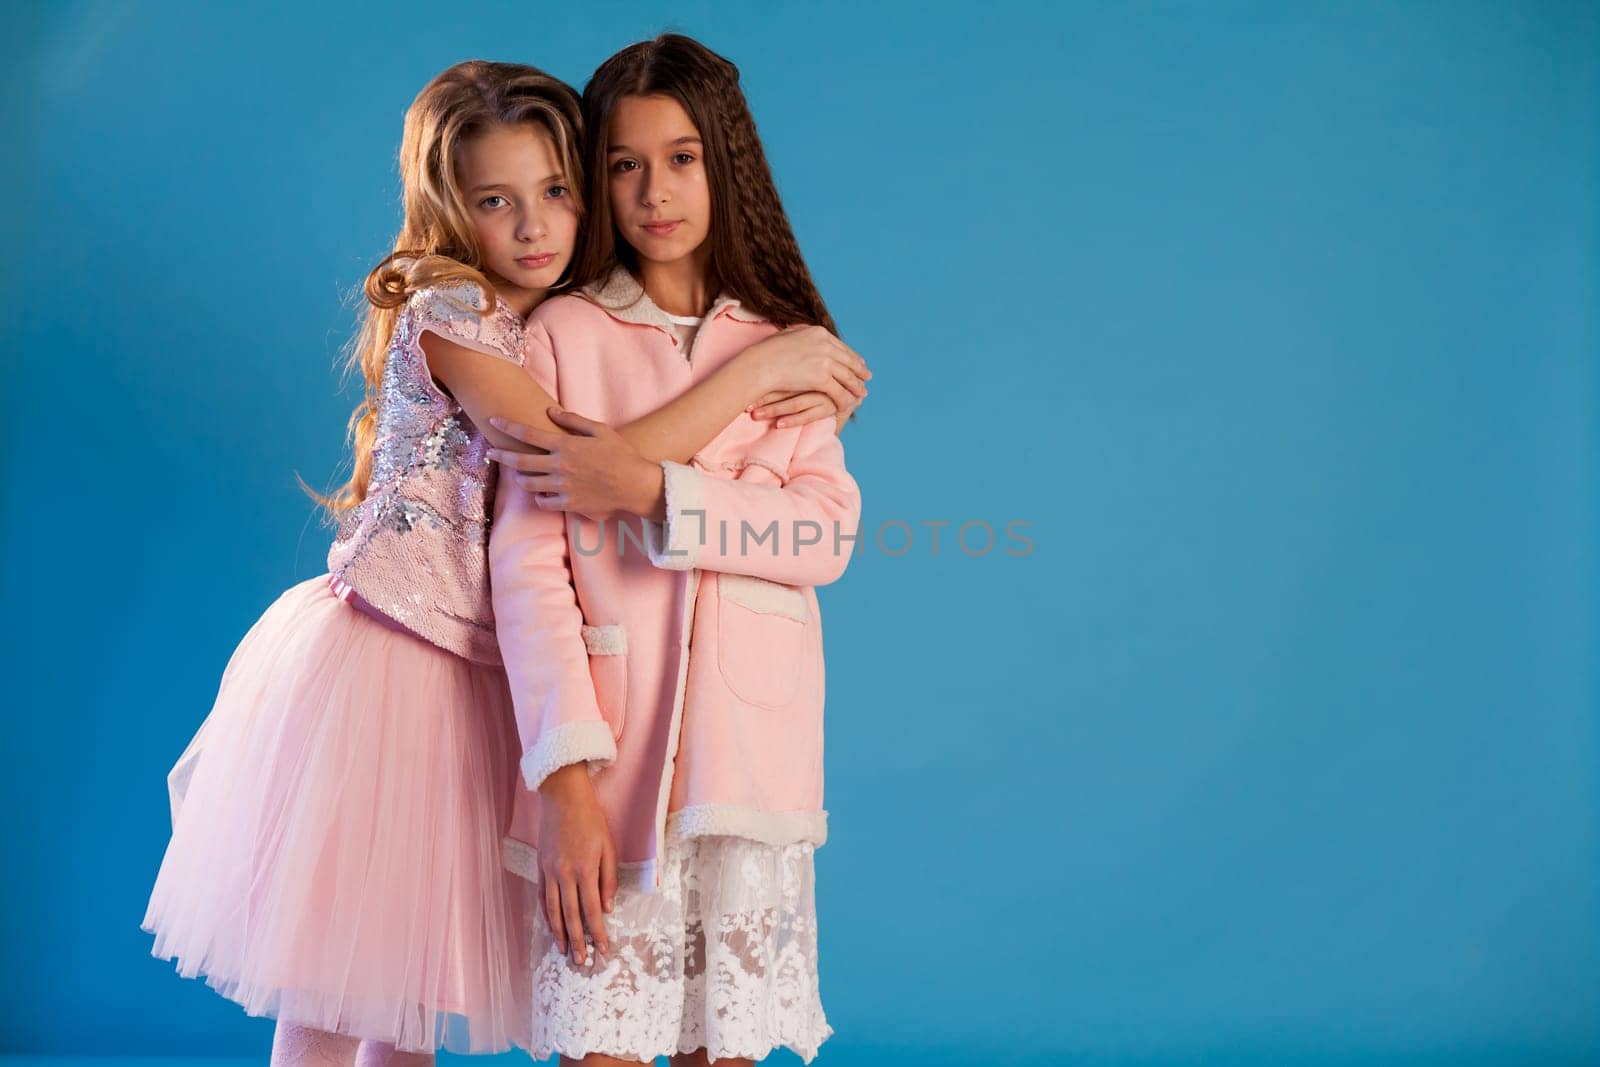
577	861
809	359
589	469
797	409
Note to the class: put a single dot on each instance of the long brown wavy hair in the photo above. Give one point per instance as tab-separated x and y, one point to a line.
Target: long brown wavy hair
437	241
754	255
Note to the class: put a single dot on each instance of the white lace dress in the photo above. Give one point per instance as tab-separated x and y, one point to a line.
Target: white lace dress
723	957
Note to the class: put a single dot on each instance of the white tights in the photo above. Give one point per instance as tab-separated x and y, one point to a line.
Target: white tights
302	1046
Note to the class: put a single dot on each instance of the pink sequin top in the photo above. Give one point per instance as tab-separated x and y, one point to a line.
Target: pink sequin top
415	548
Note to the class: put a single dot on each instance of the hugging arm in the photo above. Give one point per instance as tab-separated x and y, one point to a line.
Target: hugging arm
491	386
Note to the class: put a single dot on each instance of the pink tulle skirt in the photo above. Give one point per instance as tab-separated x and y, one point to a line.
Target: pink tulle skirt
335	852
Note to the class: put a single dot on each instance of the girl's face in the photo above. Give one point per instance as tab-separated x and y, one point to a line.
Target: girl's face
660	199
521	205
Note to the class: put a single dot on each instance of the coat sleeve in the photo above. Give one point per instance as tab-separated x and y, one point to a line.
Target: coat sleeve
799	533
539	624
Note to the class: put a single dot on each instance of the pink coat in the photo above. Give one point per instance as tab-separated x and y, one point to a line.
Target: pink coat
682	659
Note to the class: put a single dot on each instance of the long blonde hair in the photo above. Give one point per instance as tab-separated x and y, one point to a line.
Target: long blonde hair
437	242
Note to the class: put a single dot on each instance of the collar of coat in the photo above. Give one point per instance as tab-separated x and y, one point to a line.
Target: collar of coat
622	297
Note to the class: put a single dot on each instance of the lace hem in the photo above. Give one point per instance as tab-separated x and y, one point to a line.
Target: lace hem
723	957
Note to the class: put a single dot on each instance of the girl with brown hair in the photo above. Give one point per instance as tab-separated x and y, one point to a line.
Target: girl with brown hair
670	697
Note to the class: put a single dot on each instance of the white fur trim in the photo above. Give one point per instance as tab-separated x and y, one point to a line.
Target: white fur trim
522	860
609	640
737	820
571	742
760	595
675	544
621	296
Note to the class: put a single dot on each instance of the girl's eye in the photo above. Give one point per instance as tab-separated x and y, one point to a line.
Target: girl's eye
556	192
491	202
683	158
623	165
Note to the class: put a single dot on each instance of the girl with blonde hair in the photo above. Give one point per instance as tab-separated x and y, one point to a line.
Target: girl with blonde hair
335	854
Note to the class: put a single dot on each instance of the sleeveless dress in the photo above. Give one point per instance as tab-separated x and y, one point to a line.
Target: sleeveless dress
335	851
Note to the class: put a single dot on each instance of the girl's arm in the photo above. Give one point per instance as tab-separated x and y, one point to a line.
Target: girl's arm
791	362
544	645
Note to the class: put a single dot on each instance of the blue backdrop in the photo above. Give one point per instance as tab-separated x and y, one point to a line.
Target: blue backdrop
1277	324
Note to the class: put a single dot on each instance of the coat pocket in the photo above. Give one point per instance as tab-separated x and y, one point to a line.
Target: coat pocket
761	638
608	666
